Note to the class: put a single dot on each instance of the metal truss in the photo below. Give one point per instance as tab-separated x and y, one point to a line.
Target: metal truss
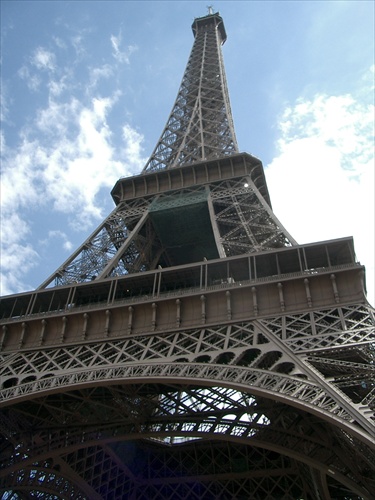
189	348
200	125
87	433
199	129
40	480
228	461
106	244
239	385
256	345
244	220
128	242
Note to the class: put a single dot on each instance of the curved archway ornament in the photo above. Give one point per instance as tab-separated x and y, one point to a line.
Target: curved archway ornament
172	410
190	348
145	395
294	391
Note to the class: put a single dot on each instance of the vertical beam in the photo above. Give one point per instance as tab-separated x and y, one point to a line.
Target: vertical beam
215	229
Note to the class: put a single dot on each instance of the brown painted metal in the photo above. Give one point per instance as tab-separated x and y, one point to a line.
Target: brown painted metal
190	348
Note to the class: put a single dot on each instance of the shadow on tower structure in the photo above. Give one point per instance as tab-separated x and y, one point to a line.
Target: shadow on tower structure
190	348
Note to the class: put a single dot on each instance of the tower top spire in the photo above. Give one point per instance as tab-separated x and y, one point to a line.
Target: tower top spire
213	19
200	126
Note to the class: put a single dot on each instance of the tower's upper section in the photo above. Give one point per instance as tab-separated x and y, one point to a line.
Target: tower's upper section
201	23
200	126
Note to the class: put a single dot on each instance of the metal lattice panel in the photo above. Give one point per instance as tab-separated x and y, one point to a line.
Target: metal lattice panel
245	221
105	245
190	348
200	125
70	427
173	228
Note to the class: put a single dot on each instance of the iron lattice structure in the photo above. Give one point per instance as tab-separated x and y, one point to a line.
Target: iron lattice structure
200	125
190	348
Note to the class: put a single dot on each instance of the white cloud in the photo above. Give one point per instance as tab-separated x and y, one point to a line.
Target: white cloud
96	74
68	246
322	181
77	42
57	234
122	56
43	59
66	156
133	149
59	42
56	87
17	256
74	167
58	118
338	121
62	170
4	109
18	182
32	81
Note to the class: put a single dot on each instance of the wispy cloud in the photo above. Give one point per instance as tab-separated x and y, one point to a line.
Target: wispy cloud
99	73
43	59
33	81
67	155
62	172
17	255
71	161
59	42
58	235
78	43
133	149
121	55
4	107
57	87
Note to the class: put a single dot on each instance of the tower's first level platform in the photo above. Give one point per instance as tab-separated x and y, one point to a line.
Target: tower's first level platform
217	291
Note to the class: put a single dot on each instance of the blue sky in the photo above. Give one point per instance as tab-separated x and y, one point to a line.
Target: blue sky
87	87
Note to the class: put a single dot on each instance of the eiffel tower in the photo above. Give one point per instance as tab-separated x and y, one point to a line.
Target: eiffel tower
190	348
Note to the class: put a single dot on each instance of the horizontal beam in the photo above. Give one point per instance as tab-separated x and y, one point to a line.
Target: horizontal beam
223	303
258	268
159	181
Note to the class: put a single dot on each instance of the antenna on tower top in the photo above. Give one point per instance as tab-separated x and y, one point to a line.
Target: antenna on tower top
210	10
